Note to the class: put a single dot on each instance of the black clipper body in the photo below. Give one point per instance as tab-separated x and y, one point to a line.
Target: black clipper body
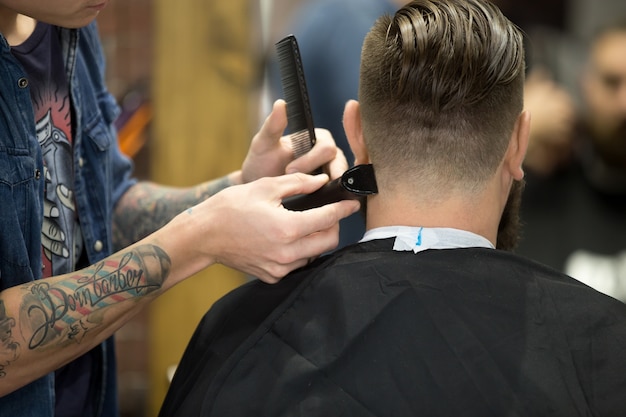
356	183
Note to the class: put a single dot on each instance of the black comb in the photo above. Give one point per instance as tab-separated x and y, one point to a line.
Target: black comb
299	116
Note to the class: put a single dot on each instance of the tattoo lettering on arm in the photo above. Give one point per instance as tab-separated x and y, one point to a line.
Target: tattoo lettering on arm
9	348
65	312
147	207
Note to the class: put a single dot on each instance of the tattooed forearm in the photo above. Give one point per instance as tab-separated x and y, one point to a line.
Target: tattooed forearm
147	207
66	311
9	348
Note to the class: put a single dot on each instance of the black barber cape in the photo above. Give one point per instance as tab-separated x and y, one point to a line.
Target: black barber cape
372	332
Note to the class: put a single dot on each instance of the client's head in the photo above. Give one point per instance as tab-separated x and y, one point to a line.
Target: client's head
441	96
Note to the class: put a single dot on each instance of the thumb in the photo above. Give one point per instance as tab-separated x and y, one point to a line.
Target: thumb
275	124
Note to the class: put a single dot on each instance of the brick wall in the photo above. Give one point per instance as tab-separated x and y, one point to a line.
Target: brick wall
126	32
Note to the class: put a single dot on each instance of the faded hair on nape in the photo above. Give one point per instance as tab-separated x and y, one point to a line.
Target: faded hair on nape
441	87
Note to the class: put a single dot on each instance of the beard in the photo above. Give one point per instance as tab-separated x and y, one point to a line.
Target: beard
510	225
614	151
609	140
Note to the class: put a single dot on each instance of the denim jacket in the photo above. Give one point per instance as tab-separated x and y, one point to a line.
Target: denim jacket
102	175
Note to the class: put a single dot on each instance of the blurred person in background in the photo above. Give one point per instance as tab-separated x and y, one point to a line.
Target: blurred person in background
574	202
574	207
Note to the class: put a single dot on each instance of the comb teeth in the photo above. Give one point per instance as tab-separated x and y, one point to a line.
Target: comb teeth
300	143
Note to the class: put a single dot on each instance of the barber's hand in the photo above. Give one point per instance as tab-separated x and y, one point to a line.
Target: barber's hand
246	228
271	154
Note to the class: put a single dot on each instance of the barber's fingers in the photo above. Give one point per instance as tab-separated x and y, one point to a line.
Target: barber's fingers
320	227
338	165
323	217
309	234
298	183
273	127
277	240
269	151
325	154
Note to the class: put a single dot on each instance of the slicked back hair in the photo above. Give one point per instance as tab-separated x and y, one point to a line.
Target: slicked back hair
441	87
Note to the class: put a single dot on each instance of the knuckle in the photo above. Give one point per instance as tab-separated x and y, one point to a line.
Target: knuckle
286	234
276	272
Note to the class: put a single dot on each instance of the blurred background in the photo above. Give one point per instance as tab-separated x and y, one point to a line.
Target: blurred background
194	78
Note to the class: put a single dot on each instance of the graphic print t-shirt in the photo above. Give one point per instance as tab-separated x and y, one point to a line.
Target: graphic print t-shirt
41	57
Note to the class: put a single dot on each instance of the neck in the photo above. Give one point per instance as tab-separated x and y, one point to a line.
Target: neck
15	27
477	213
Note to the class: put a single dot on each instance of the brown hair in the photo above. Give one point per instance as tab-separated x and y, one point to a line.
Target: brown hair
440	89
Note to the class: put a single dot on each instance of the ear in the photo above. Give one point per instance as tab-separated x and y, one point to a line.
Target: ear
354	132
518	145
